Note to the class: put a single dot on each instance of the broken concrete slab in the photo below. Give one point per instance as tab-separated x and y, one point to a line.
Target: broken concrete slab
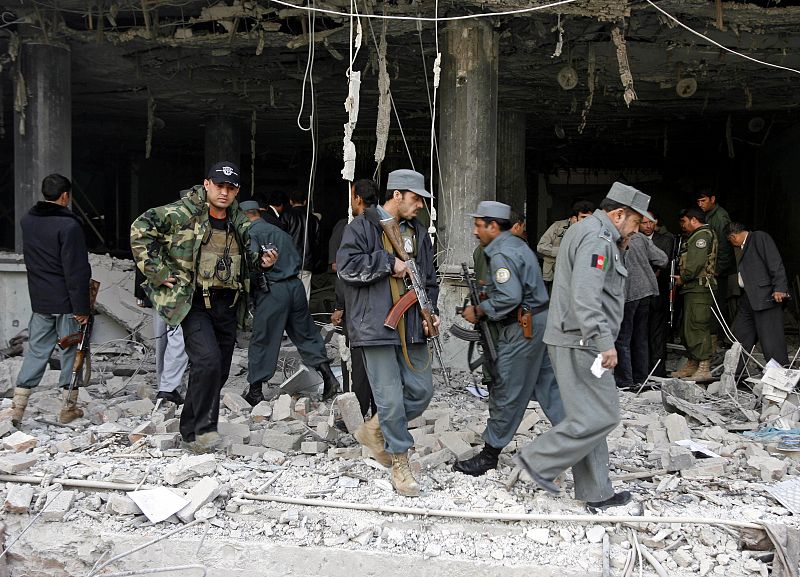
302	380
142	431
313	447
281	441
204	491
350	409
770	468
242	450
58	505
237	430
19	497
13	463
261	412
138	408
282	408
345	452
456	444
19	442
122	505
188	467
677	428
677	458
235	402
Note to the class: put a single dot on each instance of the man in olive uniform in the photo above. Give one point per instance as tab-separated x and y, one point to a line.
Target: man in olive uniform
586	311
515	291
195	254
280	304
695	280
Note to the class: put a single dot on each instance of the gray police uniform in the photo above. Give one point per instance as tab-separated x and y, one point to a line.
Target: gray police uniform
586	309
522	364
283	307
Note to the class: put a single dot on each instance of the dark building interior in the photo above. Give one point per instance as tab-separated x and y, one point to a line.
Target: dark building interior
150	79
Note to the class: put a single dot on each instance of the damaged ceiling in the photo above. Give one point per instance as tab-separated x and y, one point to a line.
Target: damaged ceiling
191	60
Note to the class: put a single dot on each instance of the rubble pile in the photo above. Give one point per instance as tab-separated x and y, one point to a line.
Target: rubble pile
121	467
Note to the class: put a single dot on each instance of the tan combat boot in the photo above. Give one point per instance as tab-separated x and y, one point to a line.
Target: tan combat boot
70	411
703	373
369	434
18	405
402	479
688	369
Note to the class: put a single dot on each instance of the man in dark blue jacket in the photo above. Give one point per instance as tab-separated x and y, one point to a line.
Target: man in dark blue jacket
57	262
398	362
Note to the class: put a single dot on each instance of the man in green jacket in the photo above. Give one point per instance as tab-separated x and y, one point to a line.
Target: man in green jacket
695	280
195	254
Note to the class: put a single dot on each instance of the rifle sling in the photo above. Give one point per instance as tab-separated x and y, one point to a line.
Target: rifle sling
394	284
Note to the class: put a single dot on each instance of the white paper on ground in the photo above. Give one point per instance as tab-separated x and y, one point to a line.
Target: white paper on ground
158	504
696	447
479	392
780	378
597	366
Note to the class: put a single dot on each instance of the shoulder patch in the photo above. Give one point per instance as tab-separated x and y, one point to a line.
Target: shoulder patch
605	234
701	243
502	275
598	261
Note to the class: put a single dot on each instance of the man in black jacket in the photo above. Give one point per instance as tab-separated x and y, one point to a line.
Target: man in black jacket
303	226
57	262
398	362
763	280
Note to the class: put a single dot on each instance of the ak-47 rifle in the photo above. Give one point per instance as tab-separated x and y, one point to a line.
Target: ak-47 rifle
82	339
416	293
482	335
673	288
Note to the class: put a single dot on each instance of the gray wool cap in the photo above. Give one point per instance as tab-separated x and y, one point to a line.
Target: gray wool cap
405	179
630	197
249	205
492	209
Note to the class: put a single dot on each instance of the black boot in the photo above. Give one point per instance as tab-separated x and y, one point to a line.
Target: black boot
480	463
331	383
616	500
254	395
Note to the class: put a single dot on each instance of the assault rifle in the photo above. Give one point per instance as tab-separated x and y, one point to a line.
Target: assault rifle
81	339
673	288
482	335
415	295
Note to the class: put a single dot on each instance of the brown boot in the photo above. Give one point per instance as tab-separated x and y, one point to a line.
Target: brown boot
369	434
402	479
70	411
688	369
18	405
703	373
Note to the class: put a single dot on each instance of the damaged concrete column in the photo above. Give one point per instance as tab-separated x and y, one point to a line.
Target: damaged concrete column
223	140
42	123
467	133
511	184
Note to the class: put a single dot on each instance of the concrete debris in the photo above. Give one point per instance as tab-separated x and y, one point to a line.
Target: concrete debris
261	412
235	402
350	411
58	504
188	467
18	499
282	409
19	442
15	462
205	491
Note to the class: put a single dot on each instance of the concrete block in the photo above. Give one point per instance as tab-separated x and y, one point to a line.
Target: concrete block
241	450
528	422
303	379
302	407
205	491
418	422
109	415
164	441
138	408
238	430
442	424
236	403
282	409
429	442
261	412
350	410
16	462
18	499
345	452
327	432
313	447
283	442
770	468
677	458
434	459
705	469
169	426
121	505
19	442
140	432
657	436
677	429
188	467
456	444
58	505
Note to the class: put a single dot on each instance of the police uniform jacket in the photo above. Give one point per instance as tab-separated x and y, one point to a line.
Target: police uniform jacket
514	280
365	266
588	299
288	264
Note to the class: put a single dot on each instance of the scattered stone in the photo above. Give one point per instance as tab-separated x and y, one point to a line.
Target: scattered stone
770	468
18	499
5	427
539	535
345	452
677	458
205	491
528	421
456	444
683	557
140	432
165	441
705	469
188	467
58	505
677	429
122	505
281	441
282	409
350	410
138	408
313	447
261	412
17	462
432	460
303	379
594	534
238	430
327	432
241	450
302	407
236	403
19	442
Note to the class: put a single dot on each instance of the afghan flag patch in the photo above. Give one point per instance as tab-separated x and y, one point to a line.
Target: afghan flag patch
598	261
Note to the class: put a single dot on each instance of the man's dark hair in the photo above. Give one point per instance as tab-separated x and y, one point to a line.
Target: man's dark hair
277	198
693	212
582	206
704	191
608	205
734	227
502	223
54	186
367	190
656	215
516	217
389	193
298	196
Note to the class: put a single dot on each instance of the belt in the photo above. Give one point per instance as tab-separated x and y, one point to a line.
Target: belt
512	318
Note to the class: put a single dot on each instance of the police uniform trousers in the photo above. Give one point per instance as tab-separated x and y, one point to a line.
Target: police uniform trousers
697	326
591	406
525	374
209	337
284	307
44	332
763	327
402	393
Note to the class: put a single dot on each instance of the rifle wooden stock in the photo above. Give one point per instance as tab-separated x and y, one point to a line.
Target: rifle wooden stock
392	229
70	340
77	364
407	301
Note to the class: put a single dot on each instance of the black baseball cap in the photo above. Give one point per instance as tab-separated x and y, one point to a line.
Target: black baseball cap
223	172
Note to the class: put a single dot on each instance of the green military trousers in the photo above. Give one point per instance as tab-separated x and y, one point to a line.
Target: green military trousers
696	329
